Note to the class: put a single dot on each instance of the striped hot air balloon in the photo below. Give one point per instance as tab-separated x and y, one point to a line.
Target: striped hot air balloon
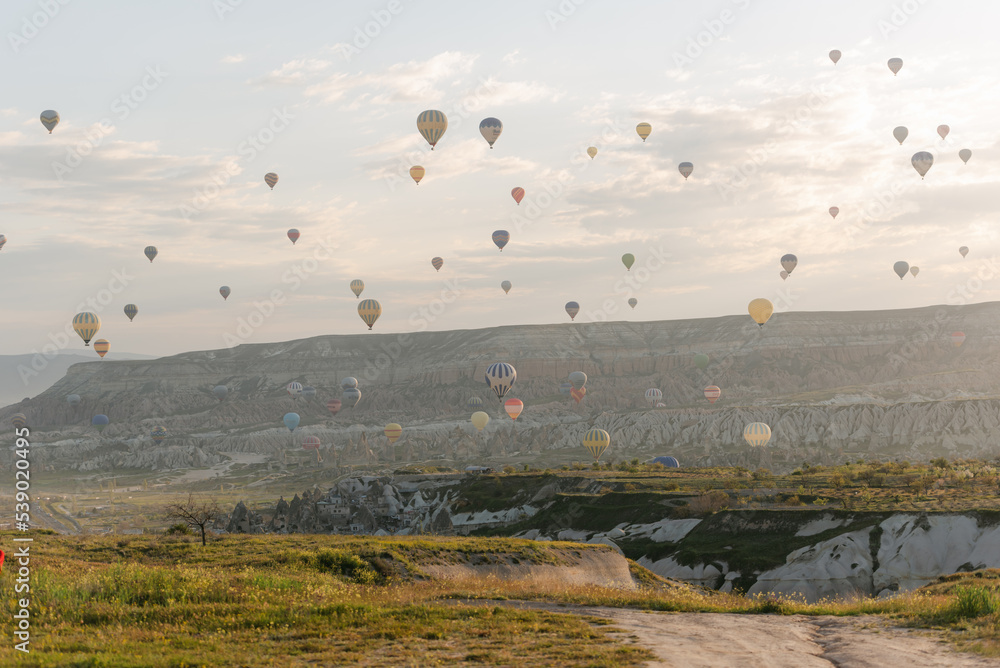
100	421
352	396
577	379
334	406
271	179
393	431
513	407
311	443
437	263
308	391
685	168
597	441
757	434
565	389
517	194
653	396
19	420
3	241
572	308
131	310
712	393
432	124
294	389
834	210
357	287
490	129
416	173
500	377
578	394
632	301
500	238
101	347
369	310
349	382
667	462
50	119
957	338
474	403
86	325
73	399
150	252
644	129
158	433
293	234
225	291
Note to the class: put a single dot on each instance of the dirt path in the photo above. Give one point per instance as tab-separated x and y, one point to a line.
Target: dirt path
709	640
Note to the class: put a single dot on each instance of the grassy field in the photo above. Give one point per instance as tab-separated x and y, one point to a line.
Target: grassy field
321	600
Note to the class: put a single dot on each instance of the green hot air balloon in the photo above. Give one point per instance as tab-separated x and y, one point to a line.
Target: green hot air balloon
701	361
628	260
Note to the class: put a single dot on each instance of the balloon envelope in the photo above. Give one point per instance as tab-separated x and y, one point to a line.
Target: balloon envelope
294	235
578	394
100	421
834	211
596	441
900	133
632	301
393	431
437	263
513	407
835	56
224	291
490	129
474	403
943	131
685	169
131	310
294	389
783	274
517	194
653	396
760	310
578	379
572	308
86	325
150	252
701	361
895	65
369	310
334	406
348	382
480	420
158	433
506	286
50	119
922	162
101	347
965	154
712	393
220	392
357	287
628	260
788	262
416	173
19	420
964	250
914	271
901	268
500	238
73	399
957	338
352	396
643	129
431	124
271	179
500	377
668	462
757	434
592	151
291	421
311	443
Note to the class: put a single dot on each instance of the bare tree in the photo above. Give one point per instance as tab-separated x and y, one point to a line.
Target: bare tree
196	513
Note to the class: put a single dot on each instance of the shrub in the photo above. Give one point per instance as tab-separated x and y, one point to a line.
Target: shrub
975	602
940	463
709	502
180	529
350	566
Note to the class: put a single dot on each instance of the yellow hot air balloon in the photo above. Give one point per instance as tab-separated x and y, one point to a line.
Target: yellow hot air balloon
86	325
101	347
592	151
757	434
432	125
760	310
369	310
644	129
416	173
597	441
393	431
357	287
480	420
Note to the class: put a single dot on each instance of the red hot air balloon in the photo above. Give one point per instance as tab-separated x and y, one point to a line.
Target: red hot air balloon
957	338
712	393
311	443
513	407
334	406
578	394
517	194
293	234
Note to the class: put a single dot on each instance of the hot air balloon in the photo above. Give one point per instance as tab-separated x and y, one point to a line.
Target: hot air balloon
957	338
757	434
500	377
432	125
517	194
667	462
578	379
701	361
291	421
416	173
628	260
901	268
506	286
644	129
632	301
19	420
474	403
73	399
900	133
294	389
565	388
921	162
578	394
437	263
964	250
131	310
3	241
712	393
965	154
914	271
308	392
760	310
150	252
490	129
311	443
834	211
158	433
50	119
357	287
783	274
592	151
224	291
100	421
86	325
685	169
500	238
334	406
572	308
895	64
513	407
352	396
788	262
835	56
369	310
349	382
653	396
943	131
597	441
220	392
480	420
393	431
293	234
101	347
270	179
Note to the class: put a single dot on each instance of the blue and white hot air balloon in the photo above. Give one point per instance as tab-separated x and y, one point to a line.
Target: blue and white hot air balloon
490	128
500	376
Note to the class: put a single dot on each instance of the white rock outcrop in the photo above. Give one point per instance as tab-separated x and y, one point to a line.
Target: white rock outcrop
839	566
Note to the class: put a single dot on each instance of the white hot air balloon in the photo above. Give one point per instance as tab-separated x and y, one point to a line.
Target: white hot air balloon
900	133
835	56
895	65
965	154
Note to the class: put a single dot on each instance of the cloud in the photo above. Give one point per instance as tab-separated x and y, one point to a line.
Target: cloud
233	59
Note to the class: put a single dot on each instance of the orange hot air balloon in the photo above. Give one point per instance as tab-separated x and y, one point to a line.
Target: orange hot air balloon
578	394
101	347
416	173
513	407
517	194
957	338
712	393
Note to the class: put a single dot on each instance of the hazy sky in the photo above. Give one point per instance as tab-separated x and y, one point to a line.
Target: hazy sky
160	100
